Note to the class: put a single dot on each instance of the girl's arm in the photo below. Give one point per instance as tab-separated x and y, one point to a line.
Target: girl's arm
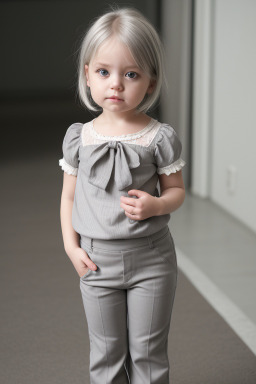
71	238
172	193
172	197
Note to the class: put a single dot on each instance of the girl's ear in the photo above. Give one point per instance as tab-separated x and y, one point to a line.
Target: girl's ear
151	86
86	69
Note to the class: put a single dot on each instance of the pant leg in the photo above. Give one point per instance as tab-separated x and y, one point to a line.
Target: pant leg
105	305
150	301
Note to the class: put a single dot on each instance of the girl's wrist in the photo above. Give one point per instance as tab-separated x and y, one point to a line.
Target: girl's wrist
170	200
70	251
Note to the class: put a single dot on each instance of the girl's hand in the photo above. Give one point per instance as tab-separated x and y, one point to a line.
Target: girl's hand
139	209
81	261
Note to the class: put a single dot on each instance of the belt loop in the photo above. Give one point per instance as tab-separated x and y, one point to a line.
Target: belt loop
91	244
150	242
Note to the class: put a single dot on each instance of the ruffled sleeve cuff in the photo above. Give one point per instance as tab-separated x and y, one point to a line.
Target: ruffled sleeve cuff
172	168
67	167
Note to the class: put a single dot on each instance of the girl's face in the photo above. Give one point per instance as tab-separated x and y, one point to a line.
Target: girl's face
117	84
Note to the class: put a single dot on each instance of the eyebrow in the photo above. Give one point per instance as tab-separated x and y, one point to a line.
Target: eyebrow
107	65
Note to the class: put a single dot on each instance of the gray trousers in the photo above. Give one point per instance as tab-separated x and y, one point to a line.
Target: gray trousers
128	303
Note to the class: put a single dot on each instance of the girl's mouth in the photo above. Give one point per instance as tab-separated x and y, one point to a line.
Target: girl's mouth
114	98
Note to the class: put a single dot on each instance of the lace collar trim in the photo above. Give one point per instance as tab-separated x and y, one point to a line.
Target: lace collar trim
129	136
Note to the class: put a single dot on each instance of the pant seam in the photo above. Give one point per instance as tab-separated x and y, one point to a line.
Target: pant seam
150	333
105	338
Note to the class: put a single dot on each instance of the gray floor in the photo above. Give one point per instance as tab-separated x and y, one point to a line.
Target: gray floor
44	334
222	247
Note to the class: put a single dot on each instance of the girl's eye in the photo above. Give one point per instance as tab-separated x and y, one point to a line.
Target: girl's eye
131	75
103	72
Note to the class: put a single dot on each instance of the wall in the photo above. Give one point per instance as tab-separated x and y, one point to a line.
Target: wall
38	70
175	100
233	181
40	39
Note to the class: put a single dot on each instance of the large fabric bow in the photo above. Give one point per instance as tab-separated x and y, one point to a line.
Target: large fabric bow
105	157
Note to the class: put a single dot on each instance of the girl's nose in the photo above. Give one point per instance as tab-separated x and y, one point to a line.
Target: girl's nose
116	83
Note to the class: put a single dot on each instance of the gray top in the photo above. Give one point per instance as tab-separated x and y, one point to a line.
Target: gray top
107	167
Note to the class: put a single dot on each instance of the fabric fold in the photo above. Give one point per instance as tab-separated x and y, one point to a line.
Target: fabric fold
113	154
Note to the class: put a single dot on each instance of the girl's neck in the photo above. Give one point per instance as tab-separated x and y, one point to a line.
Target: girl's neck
112	124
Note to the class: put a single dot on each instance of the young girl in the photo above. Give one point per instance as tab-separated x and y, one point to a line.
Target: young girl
114	222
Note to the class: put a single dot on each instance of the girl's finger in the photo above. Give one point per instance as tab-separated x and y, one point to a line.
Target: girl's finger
133	217
131	211
90	263
128	208
128	200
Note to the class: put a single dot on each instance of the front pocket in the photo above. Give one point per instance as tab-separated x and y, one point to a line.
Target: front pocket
89	252
165	249
85	247
86	274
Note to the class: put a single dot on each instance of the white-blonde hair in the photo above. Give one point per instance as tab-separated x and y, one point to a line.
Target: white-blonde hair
134	30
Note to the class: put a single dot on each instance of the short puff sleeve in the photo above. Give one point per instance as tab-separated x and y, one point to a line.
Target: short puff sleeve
167	151
70	149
